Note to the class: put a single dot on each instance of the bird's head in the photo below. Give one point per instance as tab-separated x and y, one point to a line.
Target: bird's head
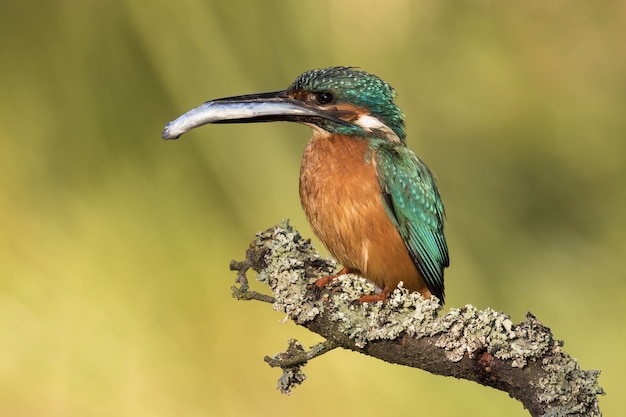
338	100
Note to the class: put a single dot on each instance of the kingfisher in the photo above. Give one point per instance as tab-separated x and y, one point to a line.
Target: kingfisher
368	197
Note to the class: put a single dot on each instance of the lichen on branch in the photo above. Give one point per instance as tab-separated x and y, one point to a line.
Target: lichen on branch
484	346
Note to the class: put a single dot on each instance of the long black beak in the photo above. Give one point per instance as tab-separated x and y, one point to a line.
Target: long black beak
262	107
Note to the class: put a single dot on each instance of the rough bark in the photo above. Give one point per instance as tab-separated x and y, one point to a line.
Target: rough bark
484	346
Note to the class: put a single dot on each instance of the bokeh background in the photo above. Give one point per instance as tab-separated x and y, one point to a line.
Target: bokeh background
115	245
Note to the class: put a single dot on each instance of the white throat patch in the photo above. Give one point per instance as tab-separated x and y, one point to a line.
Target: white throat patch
370	123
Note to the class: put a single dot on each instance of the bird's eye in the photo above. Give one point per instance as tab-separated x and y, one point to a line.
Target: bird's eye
324	97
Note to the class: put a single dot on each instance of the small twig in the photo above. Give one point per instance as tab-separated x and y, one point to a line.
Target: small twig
239	294
293	359
299	357
243	292
241	268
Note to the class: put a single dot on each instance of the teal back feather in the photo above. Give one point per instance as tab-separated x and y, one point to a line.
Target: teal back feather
413	203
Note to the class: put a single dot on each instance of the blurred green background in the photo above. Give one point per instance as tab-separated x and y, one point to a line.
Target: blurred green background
114	244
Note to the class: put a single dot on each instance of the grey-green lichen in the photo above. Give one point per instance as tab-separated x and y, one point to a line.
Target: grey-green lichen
471	331
292	375
404	312
288	270
568	390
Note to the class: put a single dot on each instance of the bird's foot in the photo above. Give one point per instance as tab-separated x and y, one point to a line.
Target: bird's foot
322	282
369	298
372	298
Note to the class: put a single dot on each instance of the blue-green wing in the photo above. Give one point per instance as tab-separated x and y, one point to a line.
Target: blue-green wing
413	203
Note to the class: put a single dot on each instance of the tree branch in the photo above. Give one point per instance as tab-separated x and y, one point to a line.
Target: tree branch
478	345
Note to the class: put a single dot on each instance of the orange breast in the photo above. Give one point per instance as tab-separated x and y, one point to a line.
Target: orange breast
341	197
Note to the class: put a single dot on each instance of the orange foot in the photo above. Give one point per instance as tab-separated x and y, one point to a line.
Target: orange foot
372	298
322	282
